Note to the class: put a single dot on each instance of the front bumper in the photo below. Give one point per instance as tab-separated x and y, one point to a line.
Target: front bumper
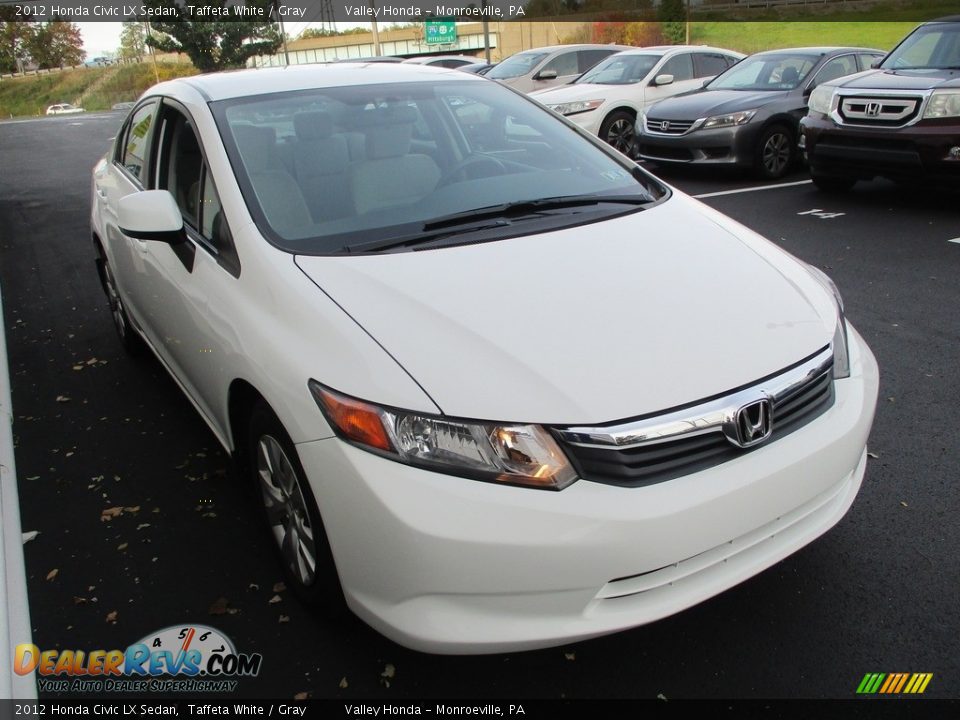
734	146
448	565
919	151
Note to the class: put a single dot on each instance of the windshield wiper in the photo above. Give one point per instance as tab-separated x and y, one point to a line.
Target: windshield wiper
525	207
460	223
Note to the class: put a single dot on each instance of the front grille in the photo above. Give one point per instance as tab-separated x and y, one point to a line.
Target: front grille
880	111
668	127
656	460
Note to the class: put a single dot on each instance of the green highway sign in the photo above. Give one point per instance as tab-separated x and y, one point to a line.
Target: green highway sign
441	31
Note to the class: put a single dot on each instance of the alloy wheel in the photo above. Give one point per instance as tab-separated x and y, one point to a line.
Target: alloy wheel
775	154
620	135
286	508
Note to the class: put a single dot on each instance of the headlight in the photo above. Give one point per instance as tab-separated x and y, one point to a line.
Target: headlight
943	103
730	120
510	454
841	351
821	99
578	106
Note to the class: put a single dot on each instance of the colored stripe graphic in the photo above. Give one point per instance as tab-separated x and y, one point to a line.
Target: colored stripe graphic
894	683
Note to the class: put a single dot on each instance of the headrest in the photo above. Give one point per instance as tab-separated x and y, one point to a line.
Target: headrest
388	141
313	125
394	115
789	75
258	146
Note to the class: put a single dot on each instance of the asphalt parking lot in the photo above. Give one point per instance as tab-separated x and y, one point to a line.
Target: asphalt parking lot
96	430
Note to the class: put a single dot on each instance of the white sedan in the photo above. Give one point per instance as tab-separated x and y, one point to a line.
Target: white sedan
499	388
64	109
607	99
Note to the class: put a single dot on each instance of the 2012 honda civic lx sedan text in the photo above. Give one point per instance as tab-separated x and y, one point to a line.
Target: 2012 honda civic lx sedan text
499	388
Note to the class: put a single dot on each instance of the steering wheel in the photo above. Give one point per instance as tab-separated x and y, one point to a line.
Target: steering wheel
475	160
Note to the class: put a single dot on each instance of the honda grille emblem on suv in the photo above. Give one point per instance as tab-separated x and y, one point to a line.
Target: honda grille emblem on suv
665	125
753	423
873	109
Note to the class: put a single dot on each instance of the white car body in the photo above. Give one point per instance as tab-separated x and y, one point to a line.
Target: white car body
642	313
567	61
64	109
634	97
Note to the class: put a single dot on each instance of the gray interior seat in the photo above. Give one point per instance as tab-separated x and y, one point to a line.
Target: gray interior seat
391	176
320	164
276	189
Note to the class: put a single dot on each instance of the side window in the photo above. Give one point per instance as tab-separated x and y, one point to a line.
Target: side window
836	68
134	152
184	174
710	64
588	58
564	64
211	213
680	66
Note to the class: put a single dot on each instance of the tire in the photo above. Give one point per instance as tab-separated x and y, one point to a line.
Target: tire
619	131
776	152
129	338
833	183
291	514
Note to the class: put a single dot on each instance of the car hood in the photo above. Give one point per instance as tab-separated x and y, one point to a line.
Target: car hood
591	324
901	80
570	93
714	102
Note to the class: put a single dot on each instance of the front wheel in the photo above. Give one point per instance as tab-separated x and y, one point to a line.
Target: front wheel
129	338
775	152
291	512
619	130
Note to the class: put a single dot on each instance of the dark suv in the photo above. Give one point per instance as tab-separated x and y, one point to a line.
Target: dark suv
900	121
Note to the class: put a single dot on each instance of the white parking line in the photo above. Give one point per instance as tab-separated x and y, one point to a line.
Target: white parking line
752	189
954	240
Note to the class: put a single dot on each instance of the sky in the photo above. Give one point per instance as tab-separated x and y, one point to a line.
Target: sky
100	38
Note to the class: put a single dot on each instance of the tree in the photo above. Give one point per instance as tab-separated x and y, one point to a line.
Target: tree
13	39
673	15
215	44
132	41
55	44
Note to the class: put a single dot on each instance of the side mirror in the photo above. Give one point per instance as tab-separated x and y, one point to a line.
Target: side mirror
151	215
876	63
546	75
663	80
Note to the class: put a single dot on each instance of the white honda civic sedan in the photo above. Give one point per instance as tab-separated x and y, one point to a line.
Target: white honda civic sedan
499	387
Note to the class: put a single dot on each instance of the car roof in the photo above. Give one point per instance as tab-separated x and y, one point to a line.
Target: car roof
263	81
816	50
581	46
664	49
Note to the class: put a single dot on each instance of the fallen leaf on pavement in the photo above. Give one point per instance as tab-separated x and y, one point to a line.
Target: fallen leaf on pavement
62	399
109	513
275	599
135	508
904	503
112	617
301	696
79	600
122	546
873	455
389	671
52	574
570	656
343	683
284	619
30	535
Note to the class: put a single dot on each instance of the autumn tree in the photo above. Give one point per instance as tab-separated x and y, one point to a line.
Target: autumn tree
13	40
214	44
55	44
132	41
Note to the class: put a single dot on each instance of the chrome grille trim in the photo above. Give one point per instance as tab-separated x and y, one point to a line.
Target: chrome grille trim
654	126
714	416
846	107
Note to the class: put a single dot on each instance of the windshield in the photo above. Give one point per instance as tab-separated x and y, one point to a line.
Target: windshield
769	71
335	169
620	69
516	65
929	46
